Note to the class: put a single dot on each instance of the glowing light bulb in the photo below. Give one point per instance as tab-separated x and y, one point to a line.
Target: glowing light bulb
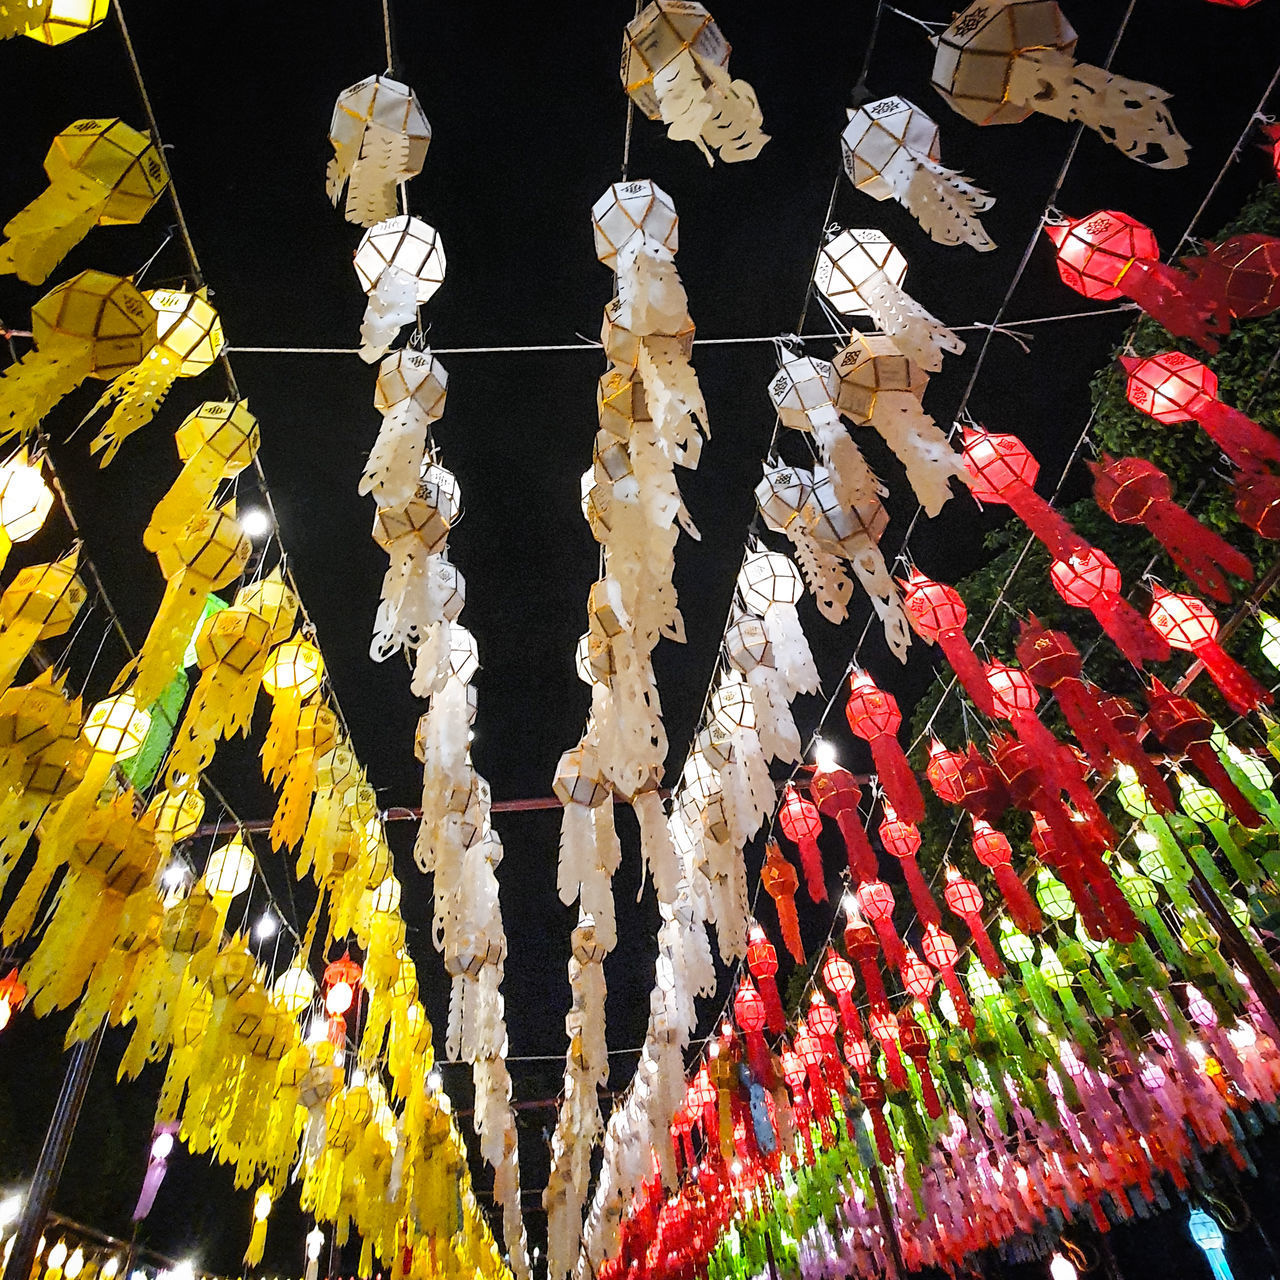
266	926
825	757
255	521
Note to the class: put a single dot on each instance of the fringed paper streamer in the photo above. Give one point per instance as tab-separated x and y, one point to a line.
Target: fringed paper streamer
188	341
100	171
380	138
93	325
891	152
749	649
675	68
1032	59
400	264
410	394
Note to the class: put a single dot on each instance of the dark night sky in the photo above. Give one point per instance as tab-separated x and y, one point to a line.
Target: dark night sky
528	119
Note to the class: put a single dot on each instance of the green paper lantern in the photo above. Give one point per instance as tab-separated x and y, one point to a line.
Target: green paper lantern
1053	897
1198	801
1133	800
1017	947
1052	969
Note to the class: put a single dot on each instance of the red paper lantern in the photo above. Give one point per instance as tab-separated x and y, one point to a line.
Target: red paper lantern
1110	255
811	1053
823	1021
762	960
994	852
1174	387
1188	624
917	977
1090	580
943	772
860	942
884	1029
837	796
902	841
341	983
938	615
837	973
915	1044
1004	470
749	1013
858	1053
1244	271
876	900
965	899
802	824
871	1091
1134	491
940	950
874	716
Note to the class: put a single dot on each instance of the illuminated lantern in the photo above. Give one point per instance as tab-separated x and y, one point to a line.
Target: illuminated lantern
410	394
837	973
1244	271
93	325
1109	255
39	604
25	501
101	172
1053	897
884	1030
1004	471
917	978
749	1014
208	554
341	991
258	1236
915	1044
871	1091
837	796
1188	624
810	1052
380	138
781	882
163	1137
941	951
293	675
1054	663
860	273
12	993
294	989
890	150
227	875
675	68
876	900
1257	501
938	615
1184	729
1000	60
1134	491
994	852
400	264
762	961
965	899
1208	1237
860	942
902	840
1269	646
822	1021
1175	387
802	824
943	772
1089	579
874	716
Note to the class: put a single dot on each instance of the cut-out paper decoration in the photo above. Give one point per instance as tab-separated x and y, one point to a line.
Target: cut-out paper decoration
891	152
780	882
1000	60
938	615
380	136
188	340
52	22
675	69
1188	624
1257	501
1089	579
1176	387
750	649
860	272
1108	255
400	264
838	796
881	387
101	173
1134	491
93	325
25	501
410	395
964	898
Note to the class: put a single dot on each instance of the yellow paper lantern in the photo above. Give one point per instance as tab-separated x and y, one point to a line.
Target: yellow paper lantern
93	325
294	989
188	340
386	897
39	604
100	172
176	815
63	20
25	502
117	726
229	870
295	668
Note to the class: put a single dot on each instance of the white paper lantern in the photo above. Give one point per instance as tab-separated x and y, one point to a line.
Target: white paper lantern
850	261
633	208
400	264
769	578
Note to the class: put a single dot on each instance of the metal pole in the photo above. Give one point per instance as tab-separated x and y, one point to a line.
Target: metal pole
53	1155
894	1268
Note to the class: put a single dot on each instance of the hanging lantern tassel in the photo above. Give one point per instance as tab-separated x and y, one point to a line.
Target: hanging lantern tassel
380	137
1188	624
938	616
93	325
188	341
580	785
1175	387
210	552
675	69
258	1237
965	899
1133	491
1004	470
874	716
998	62
781	882
1088	579
915	1044
410	395
750	652
749	1014
39	604
802	824
880	387
400	263
891	152
100	172
860	272
1184	729
876	900
902	841
1244	271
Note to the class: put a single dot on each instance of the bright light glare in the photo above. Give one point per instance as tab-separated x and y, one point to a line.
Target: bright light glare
435	1081
10	1208
174	875
824	756
266	926
255	521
